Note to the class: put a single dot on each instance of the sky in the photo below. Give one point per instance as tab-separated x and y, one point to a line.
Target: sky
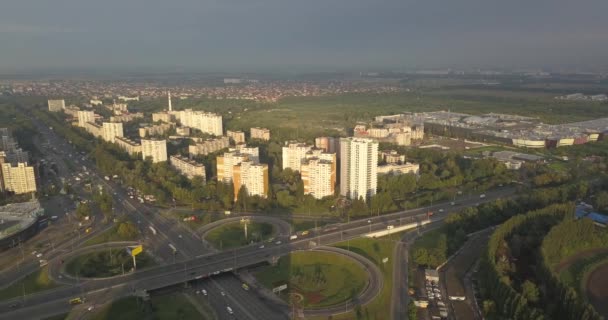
233	35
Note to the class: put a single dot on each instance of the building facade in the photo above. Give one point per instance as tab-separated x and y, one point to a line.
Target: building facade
206	122
56	105
237	136
226	163
188	167
252	176
359	164
209	146
18	179
128	145
85	116
293	155
260	133
111	130
155	149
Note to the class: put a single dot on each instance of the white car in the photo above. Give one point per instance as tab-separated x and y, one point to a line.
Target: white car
223	293
262	247
39	255
204	292
229	310
90	308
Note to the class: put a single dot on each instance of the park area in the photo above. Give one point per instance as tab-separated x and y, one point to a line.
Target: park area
232	235
106	263
316	279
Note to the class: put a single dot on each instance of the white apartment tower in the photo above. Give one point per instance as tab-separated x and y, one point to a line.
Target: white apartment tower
358	172
85	116
252	176
111	130
155	149
293	155
204	121
226	163
18	179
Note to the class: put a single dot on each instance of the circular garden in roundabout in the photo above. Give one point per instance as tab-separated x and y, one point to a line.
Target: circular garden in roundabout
233	235
315	279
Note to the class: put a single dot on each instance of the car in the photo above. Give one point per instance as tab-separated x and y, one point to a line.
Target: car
197	292
90	308
34	253
223	293
482	196
39	255
245	287
278	242
262	247
204	292
179	236
440	210
229	310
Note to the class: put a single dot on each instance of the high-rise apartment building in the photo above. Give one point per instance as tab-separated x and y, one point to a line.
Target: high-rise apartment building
237	136
111	130
293	155
358	169
328	144
206	122
157	129
253	153
155	149
18	179
260	133
319	175
188	167
85	116
56	105
209	146
162	116
252	176
225	165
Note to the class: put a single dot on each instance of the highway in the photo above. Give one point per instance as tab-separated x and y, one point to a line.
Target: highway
206	265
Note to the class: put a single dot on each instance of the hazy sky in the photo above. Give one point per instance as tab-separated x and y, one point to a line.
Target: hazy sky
300	34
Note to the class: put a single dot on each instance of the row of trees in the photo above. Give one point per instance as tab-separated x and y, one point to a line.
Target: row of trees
516	282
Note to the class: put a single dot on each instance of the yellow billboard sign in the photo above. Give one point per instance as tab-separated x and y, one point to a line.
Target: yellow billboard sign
136	250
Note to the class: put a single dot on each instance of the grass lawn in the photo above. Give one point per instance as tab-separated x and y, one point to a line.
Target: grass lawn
173	306
375	250
108	236
321	279
37	281
106	263
232	235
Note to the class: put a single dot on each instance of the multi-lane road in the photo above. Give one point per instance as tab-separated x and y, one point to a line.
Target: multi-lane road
193	258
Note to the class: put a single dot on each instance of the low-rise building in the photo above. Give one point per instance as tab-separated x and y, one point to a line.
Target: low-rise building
128	117
397	169
392	157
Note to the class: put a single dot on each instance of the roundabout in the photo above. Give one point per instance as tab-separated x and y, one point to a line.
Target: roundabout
237	232
323	281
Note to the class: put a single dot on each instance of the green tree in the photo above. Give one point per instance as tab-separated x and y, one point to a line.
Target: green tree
127	230
530	291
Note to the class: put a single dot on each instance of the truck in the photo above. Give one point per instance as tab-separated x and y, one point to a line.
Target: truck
152	229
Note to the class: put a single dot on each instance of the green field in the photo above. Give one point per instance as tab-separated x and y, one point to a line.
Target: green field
161	307
375	250
37	281
106	263
232	235
319	279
